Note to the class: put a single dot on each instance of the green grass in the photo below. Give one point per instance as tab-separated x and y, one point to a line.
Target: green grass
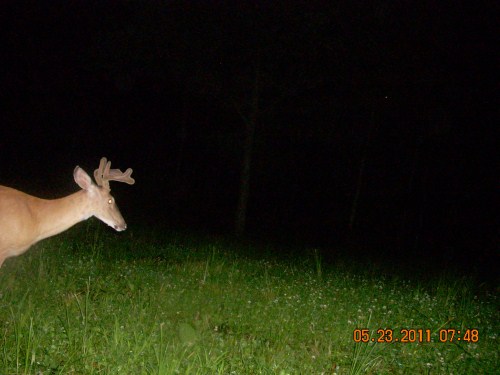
94	302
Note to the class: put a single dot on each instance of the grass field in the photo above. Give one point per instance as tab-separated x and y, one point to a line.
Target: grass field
94	302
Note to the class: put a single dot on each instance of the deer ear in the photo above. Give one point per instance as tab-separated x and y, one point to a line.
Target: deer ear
82	178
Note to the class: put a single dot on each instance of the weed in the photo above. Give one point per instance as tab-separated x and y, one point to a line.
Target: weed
94	302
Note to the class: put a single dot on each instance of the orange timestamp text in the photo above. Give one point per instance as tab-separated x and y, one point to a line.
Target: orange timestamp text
412	335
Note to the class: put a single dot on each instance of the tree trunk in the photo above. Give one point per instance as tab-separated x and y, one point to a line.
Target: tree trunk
410	203
361	172
357	193
177	184
250	124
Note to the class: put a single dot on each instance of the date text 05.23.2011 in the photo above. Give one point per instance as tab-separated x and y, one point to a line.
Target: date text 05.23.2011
411	335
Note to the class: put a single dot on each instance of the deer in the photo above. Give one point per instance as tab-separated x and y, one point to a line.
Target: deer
26	220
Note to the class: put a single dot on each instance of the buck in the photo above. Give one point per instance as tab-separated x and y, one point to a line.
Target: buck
25	219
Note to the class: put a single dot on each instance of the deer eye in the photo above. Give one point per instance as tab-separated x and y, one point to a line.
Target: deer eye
110	200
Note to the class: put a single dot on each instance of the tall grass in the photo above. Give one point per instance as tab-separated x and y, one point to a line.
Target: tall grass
94	302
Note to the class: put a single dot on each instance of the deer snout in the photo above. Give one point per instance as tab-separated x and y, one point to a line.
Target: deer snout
120	228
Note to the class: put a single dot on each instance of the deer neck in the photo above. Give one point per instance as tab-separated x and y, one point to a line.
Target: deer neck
56	215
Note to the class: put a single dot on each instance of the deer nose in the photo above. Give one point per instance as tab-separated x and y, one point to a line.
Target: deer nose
120	228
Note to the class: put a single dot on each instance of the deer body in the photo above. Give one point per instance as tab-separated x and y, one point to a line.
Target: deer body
25	219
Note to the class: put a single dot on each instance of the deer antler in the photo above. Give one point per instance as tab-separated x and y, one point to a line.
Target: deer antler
104	174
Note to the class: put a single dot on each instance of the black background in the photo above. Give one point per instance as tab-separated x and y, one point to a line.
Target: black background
406	88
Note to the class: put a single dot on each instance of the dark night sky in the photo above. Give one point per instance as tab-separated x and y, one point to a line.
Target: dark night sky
163	87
